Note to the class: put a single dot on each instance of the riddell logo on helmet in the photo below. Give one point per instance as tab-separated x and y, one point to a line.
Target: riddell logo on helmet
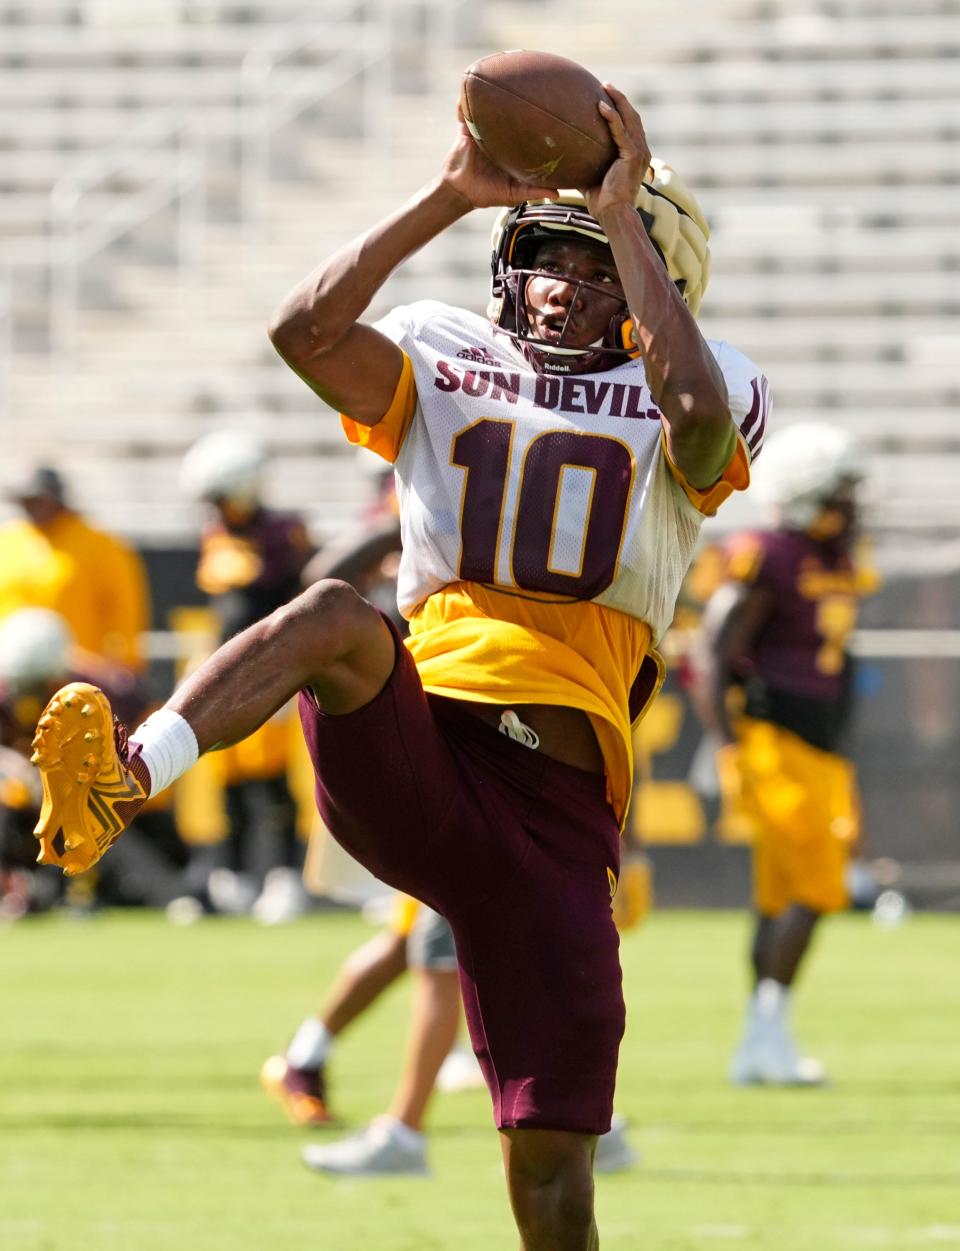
481	355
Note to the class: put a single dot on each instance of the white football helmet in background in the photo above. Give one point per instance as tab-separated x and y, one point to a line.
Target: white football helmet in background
34	648
226	464
802	467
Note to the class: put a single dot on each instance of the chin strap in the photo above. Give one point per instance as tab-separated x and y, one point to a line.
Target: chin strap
513	727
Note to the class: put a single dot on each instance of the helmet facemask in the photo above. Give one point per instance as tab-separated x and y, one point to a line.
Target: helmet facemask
559	356
516	266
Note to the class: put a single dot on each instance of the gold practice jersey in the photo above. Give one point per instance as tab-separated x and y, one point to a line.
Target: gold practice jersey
545	531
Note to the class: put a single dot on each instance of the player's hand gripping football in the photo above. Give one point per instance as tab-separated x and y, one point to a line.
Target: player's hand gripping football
621	183
478	181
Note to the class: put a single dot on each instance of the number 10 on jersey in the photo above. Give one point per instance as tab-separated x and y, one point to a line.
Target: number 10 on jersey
569	514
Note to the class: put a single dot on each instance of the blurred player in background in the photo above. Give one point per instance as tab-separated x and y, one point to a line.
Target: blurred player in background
420	940
54	558
775	690
487	767
37	656
252	560
94	591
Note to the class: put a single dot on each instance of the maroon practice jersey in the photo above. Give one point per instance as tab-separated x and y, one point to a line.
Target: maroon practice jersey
797	672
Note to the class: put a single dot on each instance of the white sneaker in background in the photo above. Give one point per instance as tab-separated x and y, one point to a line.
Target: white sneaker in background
768	1056
386	1146
785	1066
184	910
460	1071
230	893
747	1064
614	1153
283	898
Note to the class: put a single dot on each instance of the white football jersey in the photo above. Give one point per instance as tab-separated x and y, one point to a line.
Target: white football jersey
559	486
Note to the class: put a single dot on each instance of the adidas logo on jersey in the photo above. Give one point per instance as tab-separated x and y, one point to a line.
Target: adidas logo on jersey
483	356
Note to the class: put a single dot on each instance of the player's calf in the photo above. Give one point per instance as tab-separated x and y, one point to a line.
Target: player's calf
550	1180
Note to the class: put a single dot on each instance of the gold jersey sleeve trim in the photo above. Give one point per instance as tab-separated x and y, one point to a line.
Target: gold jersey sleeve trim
736	477
403	914
387	436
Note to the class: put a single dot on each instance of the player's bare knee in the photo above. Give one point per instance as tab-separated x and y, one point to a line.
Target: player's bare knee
324	623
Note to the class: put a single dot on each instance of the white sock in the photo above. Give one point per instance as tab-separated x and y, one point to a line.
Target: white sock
310	1045
168	747
400	1130
771	1000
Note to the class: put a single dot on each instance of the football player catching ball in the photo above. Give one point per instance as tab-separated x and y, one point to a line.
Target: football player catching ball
554	463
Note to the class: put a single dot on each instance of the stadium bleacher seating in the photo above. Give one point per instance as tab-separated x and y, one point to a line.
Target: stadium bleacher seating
820	134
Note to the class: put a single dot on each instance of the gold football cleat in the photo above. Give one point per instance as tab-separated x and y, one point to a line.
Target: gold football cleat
90	793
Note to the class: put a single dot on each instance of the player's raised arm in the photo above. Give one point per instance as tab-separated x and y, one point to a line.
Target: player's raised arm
317	330
683	375
733	620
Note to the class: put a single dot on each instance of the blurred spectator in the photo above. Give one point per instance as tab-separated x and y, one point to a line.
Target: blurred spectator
37	656
252	560
53	558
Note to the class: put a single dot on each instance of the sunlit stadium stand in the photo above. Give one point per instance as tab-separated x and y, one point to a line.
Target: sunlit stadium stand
164	181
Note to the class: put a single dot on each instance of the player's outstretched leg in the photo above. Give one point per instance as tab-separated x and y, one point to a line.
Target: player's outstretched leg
328	639
91	788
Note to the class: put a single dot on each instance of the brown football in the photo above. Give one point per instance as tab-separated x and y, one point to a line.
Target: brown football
535	116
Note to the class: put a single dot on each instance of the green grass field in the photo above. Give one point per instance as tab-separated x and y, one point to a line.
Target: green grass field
131	1118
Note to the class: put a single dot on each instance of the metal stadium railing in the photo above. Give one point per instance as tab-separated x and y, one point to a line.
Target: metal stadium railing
165	159
81	227
270	100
